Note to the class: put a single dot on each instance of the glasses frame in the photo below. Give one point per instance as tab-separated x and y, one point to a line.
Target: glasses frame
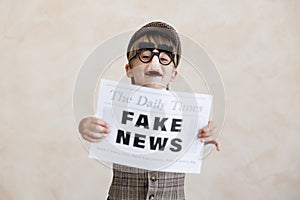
172	56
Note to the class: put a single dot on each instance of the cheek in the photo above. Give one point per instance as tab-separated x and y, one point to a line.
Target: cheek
137	70
169	72
138	73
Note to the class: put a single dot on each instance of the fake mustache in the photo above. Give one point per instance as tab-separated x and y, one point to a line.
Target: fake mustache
153	73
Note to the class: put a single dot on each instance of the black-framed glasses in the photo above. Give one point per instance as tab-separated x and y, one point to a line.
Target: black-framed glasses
146	55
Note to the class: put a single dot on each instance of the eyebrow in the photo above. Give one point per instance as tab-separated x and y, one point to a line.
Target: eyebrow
146	45
165	47
150	45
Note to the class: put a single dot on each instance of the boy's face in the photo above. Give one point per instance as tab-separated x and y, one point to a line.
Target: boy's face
152	74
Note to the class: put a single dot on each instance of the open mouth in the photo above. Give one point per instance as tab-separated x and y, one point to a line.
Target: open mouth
153	73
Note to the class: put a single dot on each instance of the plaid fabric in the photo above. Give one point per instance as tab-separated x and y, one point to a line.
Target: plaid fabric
137	184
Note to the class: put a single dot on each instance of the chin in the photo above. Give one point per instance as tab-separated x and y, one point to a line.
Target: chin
154	85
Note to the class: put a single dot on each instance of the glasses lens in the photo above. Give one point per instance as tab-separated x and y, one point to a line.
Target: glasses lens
145	55
165	58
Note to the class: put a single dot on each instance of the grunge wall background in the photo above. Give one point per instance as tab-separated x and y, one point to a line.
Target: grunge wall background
254	44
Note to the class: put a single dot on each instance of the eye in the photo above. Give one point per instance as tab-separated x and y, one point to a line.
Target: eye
145	54
164	57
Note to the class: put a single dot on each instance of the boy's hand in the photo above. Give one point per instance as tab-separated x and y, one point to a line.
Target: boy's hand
93	129
207	135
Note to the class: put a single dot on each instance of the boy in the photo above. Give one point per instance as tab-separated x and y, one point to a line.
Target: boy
153	55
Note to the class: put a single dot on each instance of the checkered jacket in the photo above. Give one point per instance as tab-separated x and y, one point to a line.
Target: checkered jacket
137	184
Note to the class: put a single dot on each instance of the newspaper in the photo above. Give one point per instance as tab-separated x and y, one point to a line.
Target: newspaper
150	128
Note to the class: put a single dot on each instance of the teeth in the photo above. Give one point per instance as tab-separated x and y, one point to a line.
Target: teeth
153	73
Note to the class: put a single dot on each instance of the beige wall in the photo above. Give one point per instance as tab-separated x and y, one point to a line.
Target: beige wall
255	45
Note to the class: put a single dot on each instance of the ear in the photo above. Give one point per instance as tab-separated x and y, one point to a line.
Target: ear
174	75
128	71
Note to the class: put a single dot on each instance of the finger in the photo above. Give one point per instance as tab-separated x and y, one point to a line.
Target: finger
218	146
202	135
214	142
89	139
100	122
205	129
93	135
211	125
99	129
207	134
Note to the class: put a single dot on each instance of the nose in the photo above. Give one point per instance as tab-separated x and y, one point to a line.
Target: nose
154	65
155	59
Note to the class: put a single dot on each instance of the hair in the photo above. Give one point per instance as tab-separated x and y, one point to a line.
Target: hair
159	33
